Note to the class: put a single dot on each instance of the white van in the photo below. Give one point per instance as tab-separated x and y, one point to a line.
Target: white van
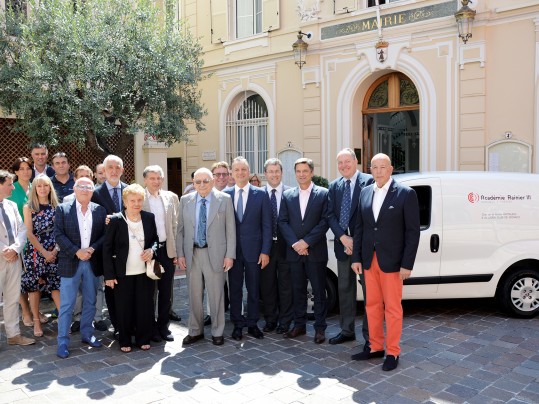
479	238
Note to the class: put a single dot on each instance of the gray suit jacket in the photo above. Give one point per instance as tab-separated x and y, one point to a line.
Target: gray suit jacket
221	230
171	204
18	227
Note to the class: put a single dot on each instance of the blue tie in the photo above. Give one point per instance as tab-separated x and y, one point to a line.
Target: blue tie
274	213
116	200
345	207
239	209
201	231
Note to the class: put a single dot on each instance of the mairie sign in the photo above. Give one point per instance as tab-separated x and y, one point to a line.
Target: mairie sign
390	20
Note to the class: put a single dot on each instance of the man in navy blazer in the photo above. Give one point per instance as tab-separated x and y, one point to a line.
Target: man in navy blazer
253	245
109	195
79	229
386	239
343	200
303	224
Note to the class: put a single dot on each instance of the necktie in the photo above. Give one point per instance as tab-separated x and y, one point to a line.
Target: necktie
7	223
345	207
239	209
201	232
274	213
116	200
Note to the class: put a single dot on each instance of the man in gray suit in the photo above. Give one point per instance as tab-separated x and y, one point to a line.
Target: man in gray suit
164	205
206	249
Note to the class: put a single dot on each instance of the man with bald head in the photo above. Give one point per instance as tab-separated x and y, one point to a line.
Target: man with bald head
206	249
386	238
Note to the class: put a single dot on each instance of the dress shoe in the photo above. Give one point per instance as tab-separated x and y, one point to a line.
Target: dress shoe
190	339
340	338
269	327
218	340
93	342
20	340
319	337
100	325
157	337
62	351
367	354
255	332
390	363
172	315
295	332
167	337
207	320
282	329
236	334
75	327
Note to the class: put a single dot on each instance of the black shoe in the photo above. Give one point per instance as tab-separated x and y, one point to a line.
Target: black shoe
75	327
167	337
236	334
340	338
255	332
282	329
319	337
295	332
390	363
157	337
218	340
192	339
100	325
207	320
172	315
366	355
269	327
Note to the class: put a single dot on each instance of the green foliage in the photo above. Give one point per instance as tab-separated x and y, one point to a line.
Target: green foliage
81	74
320	181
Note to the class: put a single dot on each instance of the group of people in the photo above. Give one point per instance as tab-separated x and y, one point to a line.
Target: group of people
226	231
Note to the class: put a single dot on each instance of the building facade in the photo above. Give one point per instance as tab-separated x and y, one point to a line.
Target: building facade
422	95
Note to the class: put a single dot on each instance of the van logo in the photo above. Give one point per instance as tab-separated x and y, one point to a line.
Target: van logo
473	197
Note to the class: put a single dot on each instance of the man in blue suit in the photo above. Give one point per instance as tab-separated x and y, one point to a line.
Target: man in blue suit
303	224
253	245
109	195
343	200
386	239
79	229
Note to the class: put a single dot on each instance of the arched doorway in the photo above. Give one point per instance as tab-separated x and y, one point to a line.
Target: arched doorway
391	122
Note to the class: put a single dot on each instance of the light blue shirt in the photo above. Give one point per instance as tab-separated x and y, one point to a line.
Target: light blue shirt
199	204
111	190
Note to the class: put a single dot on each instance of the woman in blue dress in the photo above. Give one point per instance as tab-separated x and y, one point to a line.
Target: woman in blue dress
40	254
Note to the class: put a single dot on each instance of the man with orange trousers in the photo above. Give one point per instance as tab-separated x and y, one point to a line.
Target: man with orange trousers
386	239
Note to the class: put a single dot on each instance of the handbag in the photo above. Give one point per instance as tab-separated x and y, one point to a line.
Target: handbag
154	270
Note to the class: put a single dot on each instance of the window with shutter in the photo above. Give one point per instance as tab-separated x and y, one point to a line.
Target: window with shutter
219	21
345	6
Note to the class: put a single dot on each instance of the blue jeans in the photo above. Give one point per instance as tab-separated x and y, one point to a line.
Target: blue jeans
87	281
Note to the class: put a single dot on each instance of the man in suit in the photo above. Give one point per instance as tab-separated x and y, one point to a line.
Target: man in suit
40	153
206	248
386	239
164	205
343	200
303	224
12	241
275	279
109	195
79	229
253	246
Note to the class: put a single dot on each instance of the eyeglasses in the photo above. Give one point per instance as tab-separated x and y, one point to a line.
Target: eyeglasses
220	175
85	187
205	181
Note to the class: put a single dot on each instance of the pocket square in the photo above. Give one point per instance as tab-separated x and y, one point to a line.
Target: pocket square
391	207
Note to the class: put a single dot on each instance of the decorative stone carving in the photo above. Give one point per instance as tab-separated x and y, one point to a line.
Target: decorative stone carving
308	10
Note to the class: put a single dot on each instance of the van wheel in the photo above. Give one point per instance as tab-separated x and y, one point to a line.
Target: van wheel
520	293
331	295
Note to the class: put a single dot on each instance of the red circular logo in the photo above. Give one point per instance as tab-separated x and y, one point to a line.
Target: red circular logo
473	197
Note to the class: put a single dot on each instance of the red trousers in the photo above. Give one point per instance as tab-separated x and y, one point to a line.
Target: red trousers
384	295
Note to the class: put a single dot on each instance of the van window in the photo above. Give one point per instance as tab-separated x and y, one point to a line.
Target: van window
424	197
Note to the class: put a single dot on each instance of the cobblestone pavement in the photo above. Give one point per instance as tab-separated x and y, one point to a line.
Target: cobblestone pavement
452	352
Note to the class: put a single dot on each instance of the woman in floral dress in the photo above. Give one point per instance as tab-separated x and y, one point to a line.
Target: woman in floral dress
40	255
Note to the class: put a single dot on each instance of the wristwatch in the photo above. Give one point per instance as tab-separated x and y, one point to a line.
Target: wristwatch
57	247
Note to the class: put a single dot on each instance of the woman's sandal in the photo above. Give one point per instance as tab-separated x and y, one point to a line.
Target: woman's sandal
37	333
145	347
43	318
125	349
27	321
